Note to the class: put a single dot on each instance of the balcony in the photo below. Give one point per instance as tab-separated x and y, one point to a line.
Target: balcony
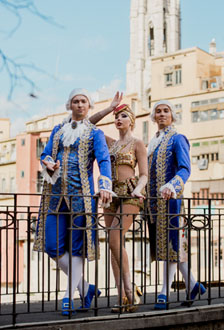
32	285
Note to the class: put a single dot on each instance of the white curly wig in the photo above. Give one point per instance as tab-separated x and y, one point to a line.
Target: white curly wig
79	91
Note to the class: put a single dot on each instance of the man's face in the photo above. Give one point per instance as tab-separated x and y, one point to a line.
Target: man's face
163	116
80	107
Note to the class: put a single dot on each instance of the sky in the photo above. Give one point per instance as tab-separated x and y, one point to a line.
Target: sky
84	43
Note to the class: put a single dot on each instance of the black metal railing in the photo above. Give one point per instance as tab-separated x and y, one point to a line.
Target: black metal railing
31	277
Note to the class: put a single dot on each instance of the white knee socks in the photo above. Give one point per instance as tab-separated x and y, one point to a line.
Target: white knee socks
171	269
63	263
183	266
83	292
76	275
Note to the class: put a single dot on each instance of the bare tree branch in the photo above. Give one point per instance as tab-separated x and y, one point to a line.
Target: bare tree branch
17	75
15	70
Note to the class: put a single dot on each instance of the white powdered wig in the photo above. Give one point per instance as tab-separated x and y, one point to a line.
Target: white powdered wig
79	91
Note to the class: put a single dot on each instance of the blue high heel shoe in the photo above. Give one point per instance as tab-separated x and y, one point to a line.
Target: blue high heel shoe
65	307
86	304
161	302
198	288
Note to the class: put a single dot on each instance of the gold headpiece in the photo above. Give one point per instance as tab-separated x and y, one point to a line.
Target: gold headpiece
125	108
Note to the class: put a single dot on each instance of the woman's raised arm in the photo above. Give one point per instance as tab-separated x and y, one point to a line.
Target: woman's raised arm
94	119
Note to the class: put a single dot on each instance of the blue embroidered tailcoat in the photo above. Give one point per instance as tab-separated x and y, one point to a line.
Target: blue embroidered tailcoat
169	163
76	177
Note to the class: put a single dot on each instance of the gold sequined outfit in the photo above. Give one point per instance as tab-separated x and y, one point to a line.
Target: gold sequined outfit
120	156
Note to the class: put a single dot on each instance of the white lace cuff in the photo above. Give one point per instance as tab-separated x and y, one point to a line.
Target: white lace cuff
110	191
169	186
51	179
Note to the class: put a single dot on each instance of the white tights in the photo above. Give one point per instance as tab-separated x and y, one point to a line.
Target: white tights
183	266
77	276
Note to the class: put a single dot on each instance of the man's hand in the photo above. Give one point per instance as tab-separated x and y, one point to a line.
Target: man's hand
105	197
51	167
167	194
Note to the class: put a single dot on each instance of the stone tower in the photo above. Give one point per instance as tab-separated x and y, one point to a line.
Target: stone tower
154	31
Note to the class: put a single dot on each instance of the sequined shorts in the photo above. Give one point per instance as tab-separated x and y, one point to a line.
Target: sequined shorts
124	189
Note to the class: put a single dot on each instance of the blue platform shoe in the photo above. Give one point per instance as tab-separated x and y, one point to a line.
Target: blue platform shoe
86	302
198	288
65	307
161	302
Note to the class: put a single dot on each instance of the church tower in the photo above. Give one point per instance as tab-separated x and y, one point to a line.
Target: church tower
154	31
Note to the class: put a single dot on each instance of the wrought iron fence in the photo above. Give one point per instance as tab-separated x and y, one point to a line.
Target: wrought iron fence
28	277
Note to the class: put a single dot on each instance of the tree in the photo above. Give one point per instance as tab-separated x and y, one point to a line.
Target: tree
15	69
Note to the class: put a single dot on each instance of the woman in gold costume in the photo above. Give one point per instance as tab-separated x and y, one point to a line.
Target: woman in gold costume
126	153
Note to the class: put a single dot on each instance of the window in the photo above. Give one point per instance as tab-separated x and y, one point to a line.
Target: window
196	144
145	130
178	77
13	152
179	118
195	116
203	115
12	184
178	106
164	31
39	181
149	101
195	104
151	41
22	142
40	145
168	79
22	174
204	84
214	101
221	114
214	114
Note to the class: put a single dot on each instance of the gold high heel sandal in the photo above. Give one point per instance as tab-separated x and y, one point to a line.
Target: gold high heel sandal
117	309
137	294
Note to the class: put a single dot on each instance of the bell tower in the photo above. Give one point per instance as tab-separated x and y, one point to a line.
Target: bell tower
154	31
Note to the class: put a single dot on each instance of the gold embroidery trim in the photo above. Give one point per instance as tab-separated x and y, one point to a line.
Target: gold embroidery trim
83	152
161	203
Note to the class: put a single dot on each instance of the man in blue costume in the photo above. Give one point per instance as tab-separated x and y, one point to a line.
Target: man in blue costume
68	171
169	169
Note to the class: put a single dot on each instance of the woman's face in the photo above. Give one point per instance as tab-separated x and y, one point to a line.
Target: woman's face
163	116
122	121
80	107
